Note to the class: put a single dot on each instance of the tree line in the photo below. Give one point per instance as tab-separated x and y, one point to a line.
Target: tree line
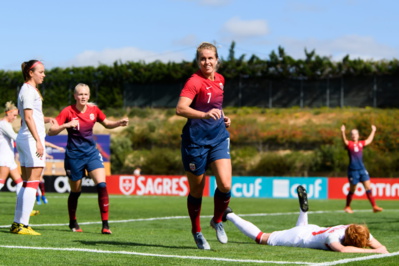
107	82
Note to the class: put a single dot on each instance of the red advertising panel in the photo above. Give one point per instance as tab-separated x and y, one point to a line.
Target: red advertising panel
382	188
159	185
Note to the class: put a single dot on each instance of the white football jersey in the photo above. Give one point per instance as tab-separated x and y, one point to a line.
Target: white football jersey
308	236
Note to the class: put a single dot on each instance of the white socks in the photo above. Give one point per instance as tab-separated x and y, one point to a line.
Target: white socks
25	202
18	187
247	228
302	218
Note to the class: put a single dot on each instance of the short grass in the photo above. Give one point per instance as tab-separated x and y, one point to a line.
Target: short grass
156	231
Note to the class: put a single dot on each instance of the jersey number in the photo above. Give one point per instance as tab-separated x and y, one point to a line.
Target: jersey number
210	95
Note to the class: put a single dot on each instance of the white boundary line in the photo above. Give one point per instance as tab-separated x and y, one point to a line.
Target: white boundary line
379	256
204	258
186	217
156	255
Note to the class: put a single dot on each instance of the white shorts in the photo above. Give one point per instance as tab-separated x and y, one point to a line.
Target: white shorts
288	238
27	153
8	162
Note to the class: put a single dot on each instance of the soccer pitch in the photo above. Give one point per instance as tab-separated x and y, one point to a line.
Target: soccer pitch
156	230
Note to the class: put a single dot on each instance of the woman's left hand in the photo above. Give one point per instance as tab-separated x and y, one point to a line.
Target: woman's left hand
123	122
227	121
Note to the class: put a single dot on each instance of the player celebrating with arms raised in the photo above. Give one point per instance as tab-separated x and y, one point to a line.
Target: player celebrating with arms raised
81	152
356	170
205	141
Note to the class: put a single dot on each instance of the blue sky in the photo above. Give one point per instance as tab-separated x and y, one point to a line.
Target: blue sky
88	32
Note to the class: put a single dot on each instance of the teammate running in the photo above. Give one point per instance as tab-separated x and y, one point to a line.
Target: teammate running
351	238
356	170
205	141
81	152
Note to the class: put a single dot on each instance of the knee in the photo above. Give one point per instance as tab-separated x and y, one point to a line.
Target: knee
102	185
225	188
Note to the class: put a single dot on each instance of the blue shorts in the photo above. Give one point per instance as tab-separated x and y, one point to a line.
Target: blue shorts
196	159
76	168
356	176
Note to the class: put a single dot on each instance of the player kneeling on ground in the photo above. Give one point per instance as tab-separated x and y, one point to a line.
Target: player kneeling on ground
351	238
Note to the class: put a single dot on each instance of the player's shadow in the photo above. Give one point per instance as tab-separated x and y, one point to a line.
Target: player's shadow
133	244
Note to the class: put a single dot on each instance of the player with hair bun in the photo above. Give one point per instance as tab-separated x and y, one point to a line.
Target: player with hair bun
30	144
351	238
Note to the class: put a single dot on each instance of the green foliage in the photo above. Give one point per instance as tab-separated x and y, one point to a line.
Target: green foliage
107	83
139	112
120	149
267	142
156	161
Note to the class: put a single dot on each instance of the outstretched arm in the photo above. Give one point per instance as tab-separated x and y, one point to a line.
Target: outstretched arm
371	136
343	135
376	247
49	144
113	124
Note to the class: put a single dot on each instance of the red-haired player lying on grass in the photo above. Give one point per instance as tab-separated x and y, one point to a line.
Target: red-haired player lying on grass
351	238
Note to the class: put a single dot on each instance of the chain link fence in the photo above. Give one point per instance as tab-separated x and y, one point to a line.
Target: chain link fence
379	92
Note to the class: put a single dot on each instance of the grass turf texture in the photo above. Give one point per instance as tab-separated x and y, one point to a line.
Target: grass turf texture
138	240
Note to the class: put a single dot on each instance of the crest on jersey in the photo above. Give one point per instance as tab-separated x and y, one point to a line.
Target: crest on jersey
127	184
192	166
221	86
91	116
356	149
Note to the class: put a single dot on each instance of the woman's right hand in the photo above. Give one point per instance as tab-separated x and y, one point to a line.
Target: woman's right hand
72	123
215	114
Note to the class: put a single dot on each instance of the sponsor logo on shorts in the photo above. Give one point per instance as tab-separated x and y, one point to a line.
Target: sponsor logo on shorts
192	166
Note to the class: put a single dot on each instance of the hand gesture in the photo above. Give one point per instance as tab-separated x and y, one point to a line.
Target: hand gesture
343	128
373	128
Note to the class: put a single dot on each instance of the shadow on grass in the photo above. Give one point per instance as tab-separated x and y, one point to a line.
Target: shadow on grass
116	243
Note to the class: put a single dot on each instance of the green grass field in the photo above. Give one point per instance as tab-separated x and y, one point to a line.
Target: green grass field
156	231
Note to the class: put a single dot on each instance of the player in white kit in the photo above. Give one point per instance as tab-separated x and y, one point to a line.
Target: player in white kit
30	144
7	138
351	238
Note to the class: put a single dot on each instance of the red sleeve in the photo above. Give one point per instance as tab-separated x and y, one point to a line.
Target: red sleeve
363	142
100	115
190	89
221	78
350	144
63	116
